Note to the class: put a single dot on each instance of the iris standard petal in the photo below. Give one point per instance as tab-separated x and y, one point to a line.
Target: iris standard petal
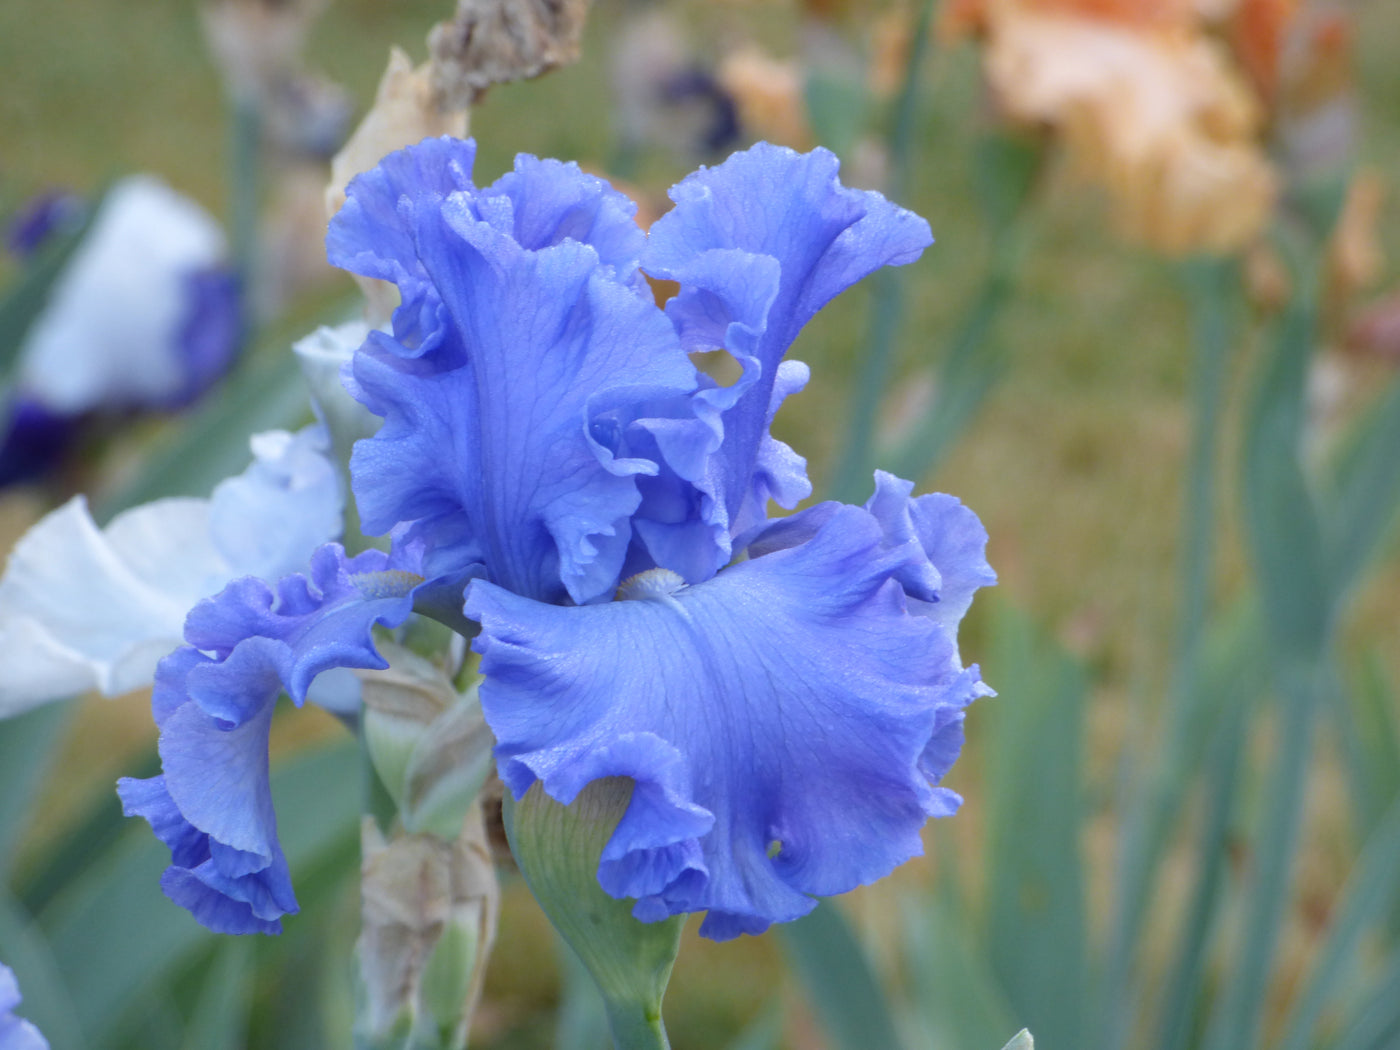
759	244
538	204
498	458
775	719
552	201
373	232
213	700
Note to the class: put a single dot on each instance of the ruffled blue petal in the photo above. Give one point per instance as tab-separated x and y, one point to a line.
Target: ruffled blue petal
539	204
759	244
307	625
552	201
512	461
953	541
775	719
213	701
373	233
214	791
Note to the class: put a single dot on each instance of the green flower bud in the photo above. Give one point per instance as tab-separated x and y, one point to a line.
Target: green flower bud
430	746
557	848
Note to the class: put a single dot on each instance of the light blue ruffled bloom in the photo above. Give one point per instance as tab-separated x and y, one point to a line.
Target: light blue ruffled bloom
785	717
86	608
15	1032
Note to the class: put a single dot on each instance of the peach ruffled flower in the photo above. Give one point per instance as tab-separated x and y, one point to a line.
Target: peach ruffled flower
1147	106
769	95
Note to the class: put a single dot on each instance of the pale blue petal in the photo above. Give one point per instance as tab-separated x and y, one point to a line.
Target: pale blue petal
539	204
953	540
268	520
83	608
553	201
952	565
263	638
15	1032
759	244
786	706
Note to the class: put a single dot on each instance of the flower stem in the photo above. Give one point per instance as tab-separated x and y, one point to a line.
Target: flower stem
887	300
558	849
1287	546
1211	285
634	1027
965	373
245	178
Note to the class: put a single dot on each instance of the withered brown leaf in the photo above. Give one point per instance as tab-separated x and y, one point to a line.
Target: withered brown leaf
495	41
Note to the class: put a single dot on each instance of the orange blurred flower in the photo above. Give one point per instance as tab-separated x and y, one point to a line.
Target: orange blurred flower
1257	31
1146	104
769	95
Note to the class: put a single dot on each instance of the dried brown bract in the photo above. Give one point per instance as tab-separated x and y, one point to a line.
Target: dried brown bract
496	41
424	899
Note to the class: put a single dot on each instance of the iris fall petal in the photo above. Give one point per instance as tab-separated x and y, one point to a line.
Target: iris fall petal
774	718
213	702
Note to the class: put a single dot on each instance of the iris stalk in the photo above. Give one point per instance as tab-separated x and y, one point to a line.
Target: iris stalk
1212	287
958	371
1222	786
1300	604
245	159
852	476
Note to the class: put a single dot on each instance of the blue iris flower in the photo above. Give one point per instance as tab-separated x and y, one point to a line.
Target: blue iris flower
144	316
785	693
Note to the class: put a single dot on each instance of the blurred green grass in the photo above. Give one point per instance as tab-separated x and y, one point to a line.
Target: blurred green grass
1074	463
